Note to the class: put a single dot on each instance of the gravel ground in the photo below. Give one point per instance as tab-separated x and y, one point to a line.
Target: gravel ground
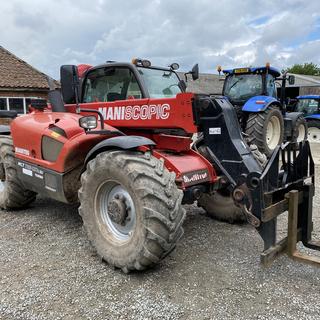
48	270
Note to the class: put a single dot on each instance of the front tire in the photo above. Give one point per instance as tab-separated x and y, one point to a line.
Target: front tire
300	131
266	129
131	209
12	193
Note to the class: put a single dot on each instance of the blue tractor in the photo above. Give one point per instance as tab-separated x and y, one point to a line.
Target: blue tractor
261	113
309	105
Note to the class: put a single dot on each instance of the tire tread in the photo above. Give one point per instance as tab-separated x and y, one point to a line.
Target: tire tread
160	209
14	195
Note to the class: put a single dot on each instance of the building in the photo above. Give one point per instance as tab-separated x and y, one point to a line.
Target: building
19	82
303	85
207	83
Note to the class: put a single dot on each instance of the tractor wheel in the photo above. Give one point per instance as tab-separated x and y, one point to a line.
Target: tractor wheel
220	206
314	131
131	209
300	130
266	129
12	193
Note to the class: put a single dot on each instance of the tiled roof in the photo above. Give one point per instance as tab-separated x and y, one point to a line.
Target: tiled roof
16	73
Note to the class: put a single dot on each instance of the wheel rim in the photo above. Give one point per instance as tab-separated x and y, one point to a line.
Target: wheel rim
301	133
273	132
314	134
117	210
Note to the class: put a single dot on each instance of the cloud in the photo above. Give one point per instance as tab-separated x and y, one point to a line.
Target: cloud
229	33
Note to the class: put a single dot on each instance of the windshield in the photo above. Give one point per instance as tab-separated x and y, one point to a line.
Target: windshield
243	86
307	106
111	84
160	83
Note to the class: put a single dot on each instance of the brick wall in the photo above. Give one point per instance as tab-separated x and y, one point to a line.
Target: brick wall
25	94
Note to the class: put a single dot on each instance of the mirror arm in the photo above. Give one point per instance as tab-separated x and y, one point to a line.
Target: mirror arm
76	91
182	85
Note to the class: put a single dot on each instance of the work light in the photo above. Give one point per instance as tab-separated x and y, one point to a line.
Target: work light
88	122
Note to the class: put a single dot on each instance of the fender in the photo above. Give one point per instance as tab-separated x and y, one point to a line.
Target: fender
259	103
290	123
293	116
313	117
123	142
4	129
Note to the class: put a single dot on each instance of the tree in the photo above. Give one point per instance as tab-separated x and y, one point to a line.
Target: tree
307	68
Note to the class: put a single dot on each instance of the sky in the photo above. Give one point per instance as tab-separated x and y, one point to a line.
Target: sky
235	33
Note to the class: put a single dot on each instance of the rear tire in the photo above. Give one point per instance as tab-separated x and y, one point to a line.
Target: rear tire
12	193
266	129
221	207
131	209
314	131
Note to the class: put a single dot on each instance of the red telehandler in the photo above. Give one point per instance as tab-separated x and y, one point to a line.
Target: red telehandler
119	141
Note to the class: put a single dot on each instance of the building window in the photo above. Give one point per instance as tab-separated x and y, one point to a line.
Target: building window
28	102
16	103
3	104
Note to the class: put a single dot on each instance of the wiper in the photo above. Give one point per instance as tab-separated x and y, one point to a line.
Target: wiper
234	84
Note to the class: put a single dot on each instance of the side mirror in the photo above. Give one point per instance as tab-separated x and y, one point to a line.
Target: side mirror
195	72
291	79
69	83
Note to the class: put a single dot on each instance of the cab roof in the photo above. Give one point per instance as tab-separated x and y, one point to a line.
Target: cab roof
127	64
247	70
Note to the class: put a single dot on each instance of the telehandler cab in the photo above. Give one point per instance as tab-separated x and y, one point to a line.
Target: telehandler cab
119	143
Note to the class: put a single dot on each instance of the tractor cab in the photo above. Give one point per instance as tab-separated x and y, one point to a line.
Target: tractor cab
309	106
241	84
261	114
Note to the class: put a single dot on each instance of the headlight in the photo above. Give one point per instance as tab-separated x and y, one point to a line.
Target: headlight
88	122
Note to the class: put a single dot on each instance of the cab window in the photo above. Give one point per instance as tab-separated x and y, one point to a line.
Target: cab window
308	106
271	88
241	87
160	83
111	84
